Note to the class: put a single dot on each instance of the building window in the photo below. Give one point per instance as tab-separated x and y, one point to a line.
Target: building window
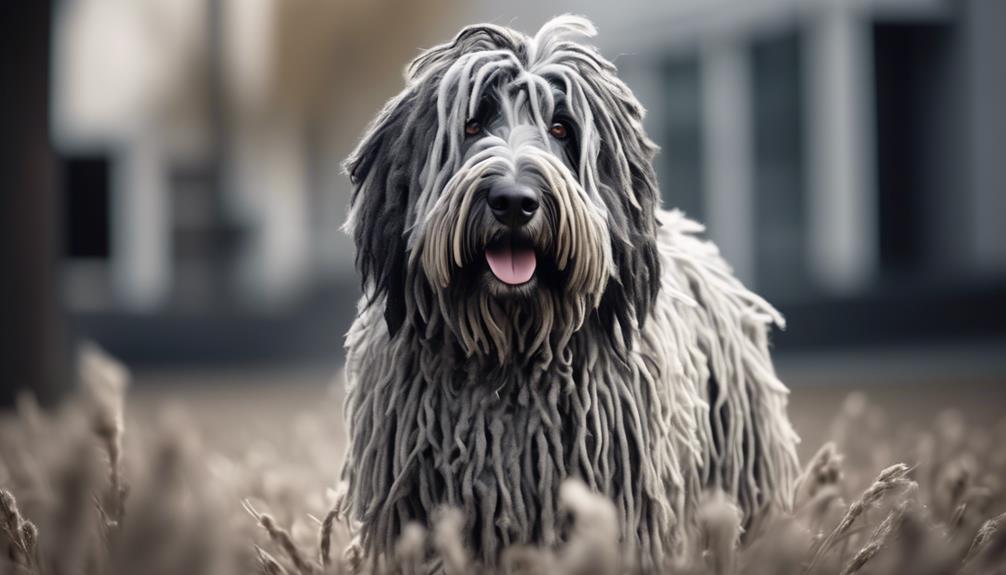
779	179
86	208
680	163
922	211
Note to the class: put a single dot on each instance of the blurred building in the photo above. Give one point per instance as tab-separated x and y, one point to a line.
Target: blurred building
847	156
200	144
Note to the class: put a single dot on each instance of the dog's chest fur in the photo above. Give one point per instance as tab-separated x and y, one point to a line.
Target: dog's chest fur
646	422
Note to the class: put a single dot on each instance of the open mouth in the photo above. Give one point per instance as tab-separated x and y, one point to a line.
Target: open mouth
512	259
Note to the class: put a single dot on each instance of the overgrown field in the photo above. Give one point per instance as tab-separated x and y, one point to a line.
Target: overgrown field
81	495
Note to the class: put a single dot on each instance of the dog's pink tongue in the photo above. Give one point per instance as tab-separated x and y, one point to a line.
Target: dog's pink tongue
511	266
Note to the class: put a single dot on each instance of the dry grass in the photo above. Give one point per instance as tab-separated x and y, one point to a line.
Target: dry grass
80	495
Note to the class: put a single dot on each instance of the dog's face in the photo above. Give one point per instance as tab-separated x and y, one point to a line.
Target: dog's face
513	218
507	194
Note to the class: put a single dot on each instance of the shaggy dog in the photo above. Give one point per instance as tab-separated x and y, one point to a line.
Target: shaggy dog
530	315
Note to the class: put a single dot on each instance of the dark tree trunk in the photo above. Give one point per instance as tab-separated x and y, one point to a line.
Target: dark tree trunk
31	322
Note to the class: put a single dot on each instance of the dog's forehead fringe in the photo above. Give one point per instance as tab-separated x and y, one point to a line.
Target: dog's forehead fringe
556	43
455	78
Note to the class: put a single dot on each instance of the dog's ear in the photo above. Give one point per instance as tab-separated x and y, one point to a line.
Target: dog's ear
380	174
624	156
632	209
387	165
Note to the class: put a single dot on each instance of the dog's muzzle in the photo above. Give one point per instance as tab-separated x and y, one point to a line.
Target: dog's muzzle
512	261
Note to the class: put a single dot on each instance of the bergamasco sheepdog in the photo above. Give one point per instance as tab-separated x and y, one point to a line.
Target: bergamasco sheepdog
531	315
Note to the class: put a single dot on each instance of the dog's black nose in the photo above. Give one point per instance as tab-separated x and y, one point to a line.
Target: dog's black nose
512	205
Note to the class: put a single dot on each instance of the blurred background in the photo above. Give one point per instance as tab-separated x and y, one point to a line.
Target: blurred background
173	190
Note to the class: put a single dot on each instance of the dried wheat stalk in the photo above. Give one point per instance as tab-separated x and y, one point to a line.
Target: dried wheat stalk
877	540
282	538
890	479
985	534
21	534
823	470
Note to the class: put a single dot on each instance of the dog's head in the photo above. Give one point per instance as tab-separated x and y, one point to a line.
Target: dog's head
507	194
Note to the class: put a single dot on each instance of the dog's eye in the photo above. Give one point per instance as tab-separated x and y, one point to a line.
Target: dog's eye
559	131
473	127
